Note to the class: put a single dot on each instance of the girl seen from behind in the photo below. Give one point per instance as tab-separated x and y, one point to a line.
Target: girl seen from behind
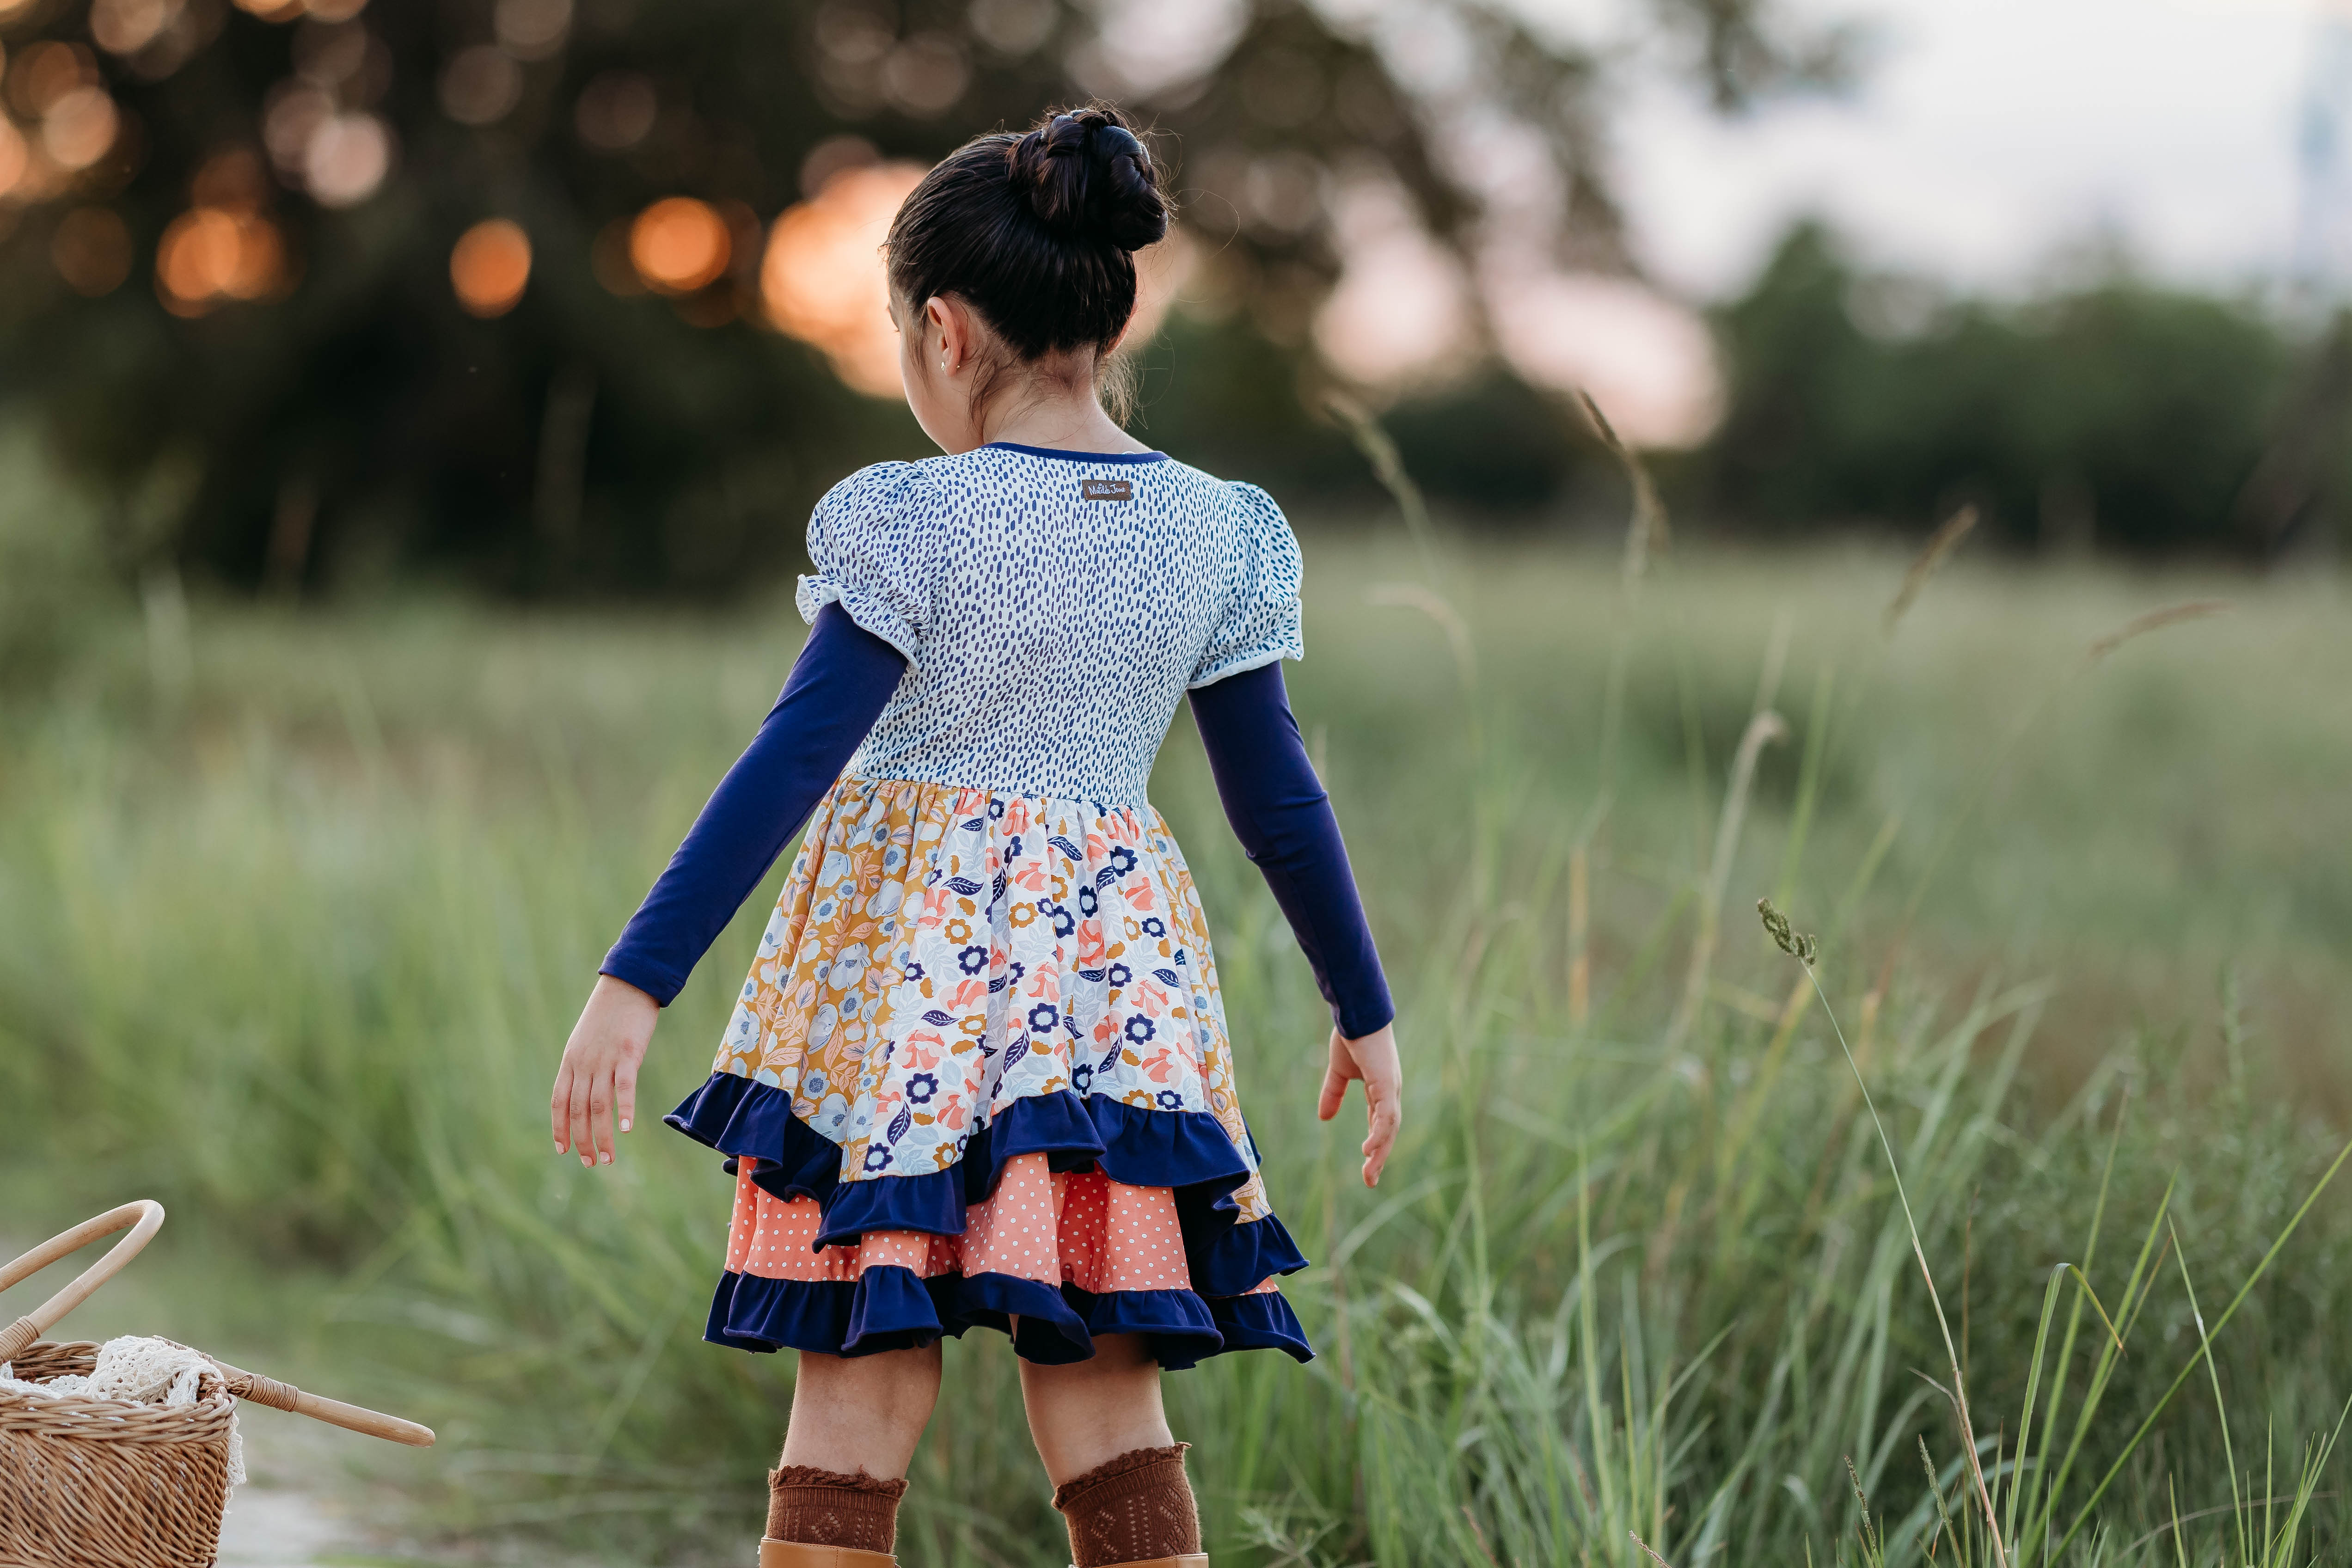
979	1074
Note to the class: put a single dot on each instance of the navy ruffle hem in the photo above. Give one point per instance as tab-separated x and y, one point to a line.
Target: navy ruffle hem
889	1308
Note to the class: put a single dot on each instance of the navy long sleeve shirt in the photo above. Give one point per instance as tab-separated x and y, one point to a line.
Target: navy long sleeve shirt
838	688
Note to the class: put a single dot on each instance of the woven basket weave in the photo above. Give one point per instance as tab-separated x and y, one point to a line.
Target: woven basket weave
95	1483
103	1483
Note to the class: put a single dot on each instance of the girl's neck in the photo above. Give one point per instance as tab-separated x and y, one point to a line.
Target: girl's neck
1069	422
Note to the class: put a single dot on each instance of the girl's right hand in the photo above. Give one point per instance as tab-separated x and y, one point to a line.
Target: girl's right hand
1373	1060
600	1069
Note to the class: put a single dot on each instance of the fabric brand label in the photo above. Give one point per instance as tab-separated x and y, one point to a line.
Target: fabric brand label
1106	489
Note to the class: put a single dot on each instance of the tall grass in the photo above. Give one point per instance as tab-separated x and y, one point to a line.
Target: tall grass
295	951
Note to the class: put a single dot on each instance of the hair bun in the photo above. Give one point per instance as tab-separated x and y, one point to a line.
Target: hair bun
1089	176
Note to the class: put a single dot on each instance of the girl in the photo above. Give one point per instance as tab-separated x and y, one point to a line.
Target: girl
979	1073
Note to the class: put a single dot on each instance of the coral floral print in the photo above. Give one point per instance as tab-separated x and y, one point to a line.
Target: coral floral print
1081	1228
939	953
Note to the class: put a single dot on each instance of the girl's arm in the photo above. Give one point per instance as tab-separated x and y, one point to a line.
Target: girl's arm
838	686
1282	815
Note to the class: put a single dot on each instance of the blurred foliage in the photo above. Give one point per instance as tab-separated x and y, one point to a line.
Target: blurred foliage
2115	414
52	565
304	168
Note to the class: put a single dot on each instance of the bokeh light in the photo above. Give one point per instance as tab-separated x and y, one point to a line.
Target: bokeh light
1647	360
926	75
1401	310
45	72
347	159
822	277
127	27
1014	27
211	254
533	29
91	250
77	129
15	157
679	245
488	267
349	61
291	115
616	110
480	85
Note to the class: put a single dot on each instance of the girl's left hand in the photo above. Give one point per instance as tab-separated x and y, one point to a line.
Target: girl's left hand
599	1073
1373	1060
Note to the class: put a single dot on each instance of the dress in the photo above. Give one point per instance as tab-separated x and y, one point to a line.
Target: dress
980	1071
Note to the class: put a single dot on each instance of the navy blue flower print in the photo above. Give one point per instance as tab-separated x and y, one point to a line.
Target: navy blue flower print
1169	1099
920	1087
1064	922
877	1156
973	959
1122	860
914	971
1154	926
1081	1076
1138	1029
1118	974
1044	1017
1087	902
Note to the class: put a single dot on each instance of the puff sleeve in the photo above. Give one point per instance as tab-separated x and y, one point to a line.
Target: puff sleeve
871	558
1259	622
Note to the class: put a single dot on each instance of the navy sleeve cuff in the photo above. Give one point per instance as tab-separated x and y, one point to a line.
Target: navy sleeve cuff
662	984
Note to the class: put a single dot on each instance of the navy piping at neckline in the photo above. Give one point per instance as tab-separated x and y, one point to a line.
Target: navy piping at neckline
1067	457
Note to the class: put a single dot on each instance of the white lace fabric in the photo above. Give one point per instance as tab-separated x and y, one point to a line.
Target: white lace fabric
135	1370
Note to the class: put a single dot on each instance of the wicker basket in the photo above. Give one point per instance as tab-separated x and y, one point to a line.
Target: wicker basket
91	1483
96	1483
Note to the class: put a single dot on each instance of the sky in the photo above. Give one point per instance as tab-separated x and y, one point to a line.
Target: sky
1990	139
1992	145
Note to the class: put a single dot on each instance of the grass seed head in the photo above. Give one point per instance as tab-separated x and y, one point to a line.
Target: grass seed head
1797	945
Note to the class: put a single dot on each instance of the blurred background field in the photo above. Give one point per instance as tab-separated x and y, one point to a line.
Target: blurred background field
297	908
408	415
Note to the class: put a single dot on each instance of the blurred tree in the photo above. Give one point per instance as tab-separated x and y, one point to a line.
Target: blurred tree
230	240
2119	412
2298	500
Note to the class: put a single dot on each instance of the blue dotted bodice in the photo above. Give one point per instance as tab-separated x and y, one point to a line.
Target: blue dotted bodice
1053	607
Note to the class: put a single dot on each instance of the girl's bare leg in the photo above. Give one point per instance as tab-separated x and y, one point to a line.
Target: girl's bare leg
1091	1411
862	1412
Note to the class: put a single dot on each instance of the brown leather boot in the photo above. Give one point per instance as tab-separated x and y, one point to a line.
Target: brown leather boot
795	1555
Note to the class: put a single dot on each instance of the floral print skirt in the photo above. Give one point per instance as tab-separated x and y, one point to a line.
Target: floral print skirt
979	1074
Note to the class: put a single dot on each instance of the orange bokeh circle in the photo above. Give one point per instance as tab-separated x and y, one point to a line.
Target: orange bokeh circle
488	267
679	245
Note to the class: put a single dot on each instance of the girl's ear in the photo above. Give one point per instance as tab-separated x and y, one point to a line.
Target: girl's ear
949	333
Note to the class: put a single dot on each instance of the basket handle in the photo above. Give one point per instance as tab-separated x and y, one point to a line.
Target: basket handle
333	1411
142	1218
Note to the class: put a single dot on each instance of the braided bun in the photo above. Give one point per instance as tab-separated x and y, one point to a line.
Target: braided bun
1037	232
1086	176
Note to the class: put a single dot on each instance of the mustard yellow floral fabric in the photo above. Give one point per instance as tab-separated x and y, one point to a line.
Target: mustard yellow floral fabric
939	953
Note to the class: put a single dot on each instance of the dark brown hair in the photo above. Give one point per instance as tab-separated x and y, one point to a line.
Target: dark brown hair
1035	232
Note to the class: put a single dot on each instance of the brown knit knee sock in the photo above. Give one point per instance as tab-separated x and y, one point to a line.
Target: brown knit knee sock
826	1508
1131	1509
